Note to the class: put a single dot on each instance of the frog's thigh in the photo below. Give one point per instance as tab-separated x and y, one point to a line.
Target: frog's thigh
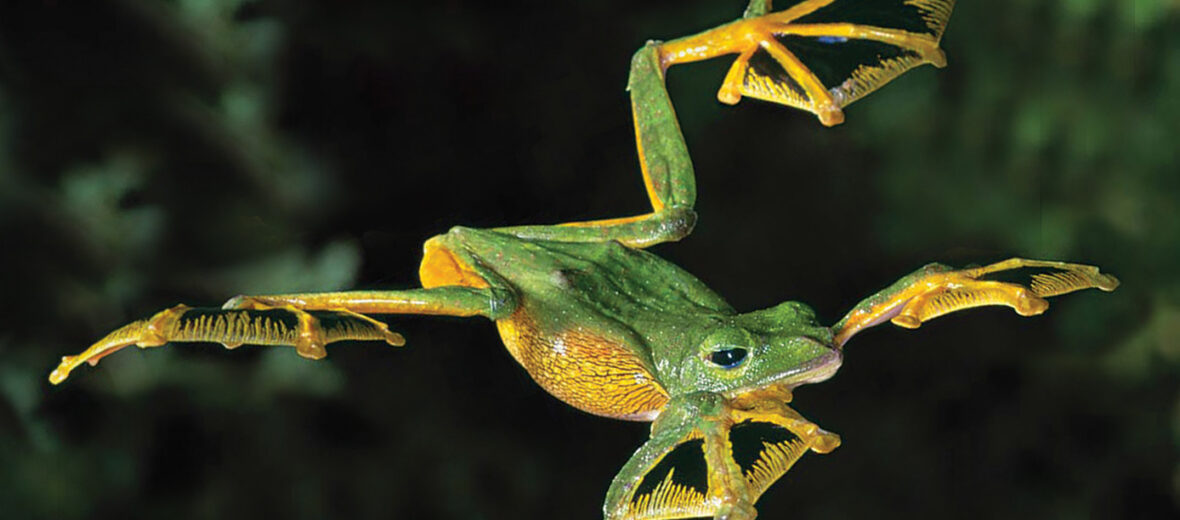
664	225
454	284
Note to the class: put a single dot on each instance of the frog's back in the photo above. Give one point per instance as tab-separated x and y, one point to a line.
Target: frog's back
590	315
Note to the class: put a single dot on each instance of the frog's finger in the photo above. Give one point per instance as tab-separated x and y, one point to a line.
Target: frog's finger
936	290
307	331
955	296
769	406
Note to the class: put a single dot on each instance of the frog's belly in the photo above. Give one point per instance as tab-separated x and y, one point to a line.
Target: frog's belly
586	371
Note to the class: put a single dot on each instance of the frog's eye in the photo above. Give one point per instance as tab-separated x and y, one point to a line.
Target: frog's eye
728	358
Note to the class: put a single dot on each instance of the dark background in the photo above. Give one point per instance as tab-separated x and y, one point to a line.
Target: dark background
161	152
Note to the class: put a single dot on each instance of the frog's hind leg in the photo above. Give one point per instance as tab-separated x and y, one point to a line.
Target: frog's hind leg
664	162
936	289
799	57
310	321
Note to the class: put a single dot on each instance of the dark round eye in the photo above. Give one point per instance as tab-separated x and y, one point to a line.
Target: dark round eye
728	358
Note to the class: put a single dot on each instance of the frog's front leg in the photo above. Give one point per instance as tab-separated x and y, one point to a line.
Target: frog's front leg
712	456
683	470
936	290
769	405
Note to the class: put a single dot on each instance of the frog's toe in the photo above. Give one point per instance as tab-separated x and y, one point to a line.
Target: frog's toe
1028	304
825	442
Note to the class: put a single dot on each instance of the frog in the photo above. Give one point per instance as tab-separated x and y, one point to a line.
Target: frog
610	328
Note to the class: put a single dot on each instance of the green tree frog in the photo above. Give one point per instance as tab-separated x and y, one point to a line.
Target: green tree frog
614	330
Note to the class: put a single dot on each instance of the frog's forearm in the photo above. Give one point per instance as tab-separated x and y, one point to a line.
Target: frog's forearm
936	290
702	433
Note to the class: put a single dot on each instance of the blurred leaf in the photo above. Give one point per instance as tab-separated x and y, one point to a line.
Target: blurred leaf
333	267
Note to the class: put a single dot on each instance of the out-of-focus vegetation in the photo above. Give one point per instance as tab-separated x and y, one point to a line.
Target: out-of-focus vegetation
157	152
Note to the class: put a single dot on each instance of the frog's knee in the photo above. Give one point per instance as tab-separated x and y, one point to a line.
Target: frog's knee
650	50
501	302
468	238
935	268
676	223
460	231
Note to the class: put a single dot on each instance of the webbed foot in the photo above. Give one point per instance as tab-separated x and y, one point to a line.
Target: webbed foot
312	334
307	331
943	293
818	55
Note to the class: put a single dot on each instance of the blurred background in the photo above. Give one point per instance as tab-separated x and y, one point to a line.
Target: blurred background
157	152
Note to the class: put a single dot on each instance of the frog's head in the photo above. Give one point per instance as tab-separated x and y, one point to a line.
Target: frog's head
782	345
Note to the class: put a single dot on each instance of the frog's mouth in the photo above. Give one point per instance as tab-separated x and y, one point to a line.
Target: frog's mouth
820	369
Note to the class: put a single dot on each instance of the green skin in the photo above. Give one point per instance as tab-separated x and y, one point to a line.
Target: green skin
597	278
656	310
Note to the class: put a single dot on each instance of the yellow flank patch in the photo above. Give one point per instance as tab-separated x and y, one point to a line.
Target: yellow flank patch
440	267
585	370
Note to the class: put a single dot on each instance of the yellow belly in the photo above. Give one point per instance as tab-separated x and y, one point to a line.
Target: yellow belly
586	371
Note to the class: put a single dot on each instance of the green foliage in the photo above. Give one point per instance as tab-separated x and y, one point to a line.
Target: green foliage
1055	137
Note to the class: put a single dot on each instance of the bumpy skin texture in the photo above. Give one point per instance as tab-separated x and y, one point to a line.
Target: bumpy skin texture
616	331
